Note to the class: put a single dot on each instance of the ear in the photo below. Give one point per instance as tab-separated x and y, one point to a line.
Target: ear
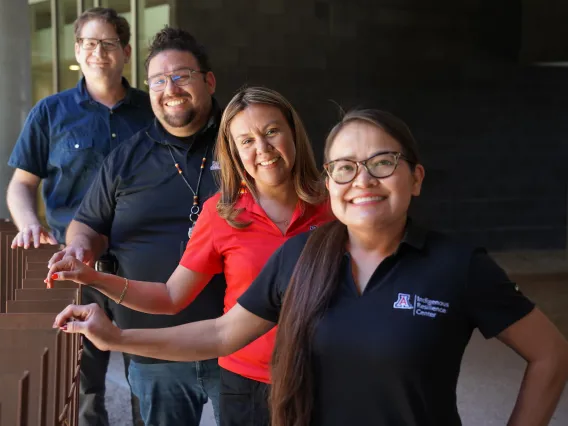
77	52
127	53
327	183
211	82
418	177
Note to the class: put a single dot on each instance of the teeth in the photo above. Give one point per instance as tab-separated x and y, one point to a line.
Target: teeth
361	200
269	162
176	102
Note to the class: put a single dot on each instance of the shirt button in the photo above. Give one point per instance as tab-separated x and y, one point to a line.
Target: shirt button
111	111
76	145
114	135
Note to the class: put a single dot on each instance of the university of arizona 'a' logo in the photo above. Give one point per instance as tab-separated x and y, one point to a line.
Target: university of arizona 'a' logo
403	302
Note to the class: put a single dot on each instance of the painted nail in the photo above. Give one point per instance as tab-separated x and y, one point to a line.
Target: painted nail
54	276
63	327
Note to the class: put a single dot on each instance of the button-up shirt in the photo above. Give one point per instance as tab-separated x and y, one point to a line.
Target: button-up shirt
65	138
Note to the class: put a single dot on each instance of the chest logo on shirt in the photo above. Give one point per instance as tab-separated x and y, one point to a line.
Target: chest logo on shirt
403	302
421	306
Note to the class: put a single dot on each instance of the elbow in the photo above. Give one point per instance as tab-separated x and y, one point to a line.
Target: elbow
173	310
563	361
556	363
224	344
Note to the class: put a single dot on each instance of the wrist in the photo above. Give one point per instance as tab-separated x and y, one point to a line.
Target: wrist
30	221
117	342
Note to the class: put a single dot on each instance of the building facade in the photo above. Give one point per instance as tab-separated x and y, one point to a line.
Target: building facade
482	83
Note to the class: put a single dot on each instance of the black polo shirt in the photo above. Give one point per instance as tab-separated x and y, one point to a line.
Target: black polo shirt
142	204
392	355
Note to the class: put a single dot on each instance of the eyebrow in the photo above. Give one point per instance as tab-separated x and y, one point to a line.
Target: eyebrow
352	159
169	72
270	123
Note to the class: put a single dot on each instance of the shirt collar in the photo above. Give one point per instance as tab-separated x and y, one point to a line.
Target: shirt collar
131	97
414	235
158	134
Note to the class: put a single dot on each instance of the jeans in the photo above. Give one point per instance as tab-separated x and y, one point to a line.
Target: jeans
94	364
174	393
243	402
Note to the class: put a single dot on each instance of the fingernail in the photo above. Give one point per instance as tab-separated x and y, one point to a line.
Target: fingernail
54	276
63	327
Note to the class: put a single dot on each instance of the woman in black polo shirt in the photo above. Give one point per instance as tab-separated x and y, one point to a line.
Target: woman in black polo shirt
374	312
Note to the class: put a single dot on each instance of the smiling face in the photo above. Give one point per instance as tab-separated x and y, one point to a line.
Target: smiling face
265	145
368	203
182	110
99	64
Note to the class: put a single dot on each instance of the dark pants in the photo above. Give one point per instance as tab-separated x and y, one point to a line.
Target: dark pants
94	364
243	402
174	393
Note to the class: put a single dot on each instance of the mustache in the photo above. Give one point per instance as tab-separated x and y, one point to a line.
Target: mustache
169	98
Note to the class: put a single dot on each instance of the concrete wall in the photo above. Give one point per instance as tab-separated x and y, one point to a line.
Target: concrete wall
493	131
15	84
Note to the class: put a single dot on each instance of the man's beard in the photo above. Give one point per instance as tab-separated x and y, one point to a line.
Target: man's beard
180	119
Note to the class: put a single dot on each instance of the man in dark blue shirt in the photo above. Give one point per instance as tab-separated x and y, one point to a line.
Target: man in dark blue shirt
140	208
63	144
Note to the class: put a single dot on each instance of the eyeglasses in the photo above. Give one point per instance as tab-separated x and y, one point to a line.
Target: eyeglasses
180	78
379	166
108	44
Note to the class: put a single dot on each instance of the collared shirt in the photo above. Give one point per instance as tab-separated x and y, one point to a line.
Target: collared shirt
216	247
142	204
64	140
392	355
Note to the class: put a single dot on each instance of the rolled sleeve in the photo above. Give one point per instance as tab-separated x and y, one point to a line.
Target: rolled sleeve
494	301
31	152
98	207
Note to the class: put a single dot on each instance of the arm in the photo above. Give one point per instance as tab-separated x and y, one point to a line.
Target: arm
21	199
83	243
150	297
188	342
540	343
86	240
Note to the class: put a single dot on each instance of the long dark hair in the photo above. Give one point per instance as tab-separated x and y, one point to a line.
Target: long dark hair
313	283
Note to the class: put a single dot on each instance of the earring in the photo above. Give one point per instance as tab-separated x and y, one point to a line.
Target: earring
243	188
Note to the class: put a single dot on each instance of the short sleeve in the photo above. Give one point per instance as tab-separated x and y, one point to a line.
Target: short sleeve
31	152
265	295
98	207
201	254
494	301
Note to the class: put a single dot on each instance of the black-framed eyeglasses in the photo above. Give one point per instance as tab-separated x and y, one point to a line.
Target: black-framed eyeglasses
108	44
379	166
180	78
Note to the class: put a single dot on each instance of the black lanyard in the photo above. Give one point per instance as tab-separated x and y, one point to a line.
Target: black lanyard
195	208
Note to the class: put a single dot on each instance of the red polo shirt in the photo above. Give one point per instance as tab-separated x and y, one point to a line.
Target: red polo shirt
240	254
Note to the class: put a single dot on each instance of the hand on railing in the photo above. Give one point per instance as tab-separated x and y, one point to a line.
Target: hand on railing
91	321
33	234
70	268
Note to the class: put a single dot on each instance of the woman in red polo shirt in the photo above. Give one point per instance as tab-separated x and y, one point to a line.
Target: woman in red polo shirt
270	191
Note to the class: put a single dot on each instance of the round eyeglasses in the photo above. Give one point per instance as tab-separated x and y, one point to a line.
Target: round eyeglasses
180	78
108	44
380	165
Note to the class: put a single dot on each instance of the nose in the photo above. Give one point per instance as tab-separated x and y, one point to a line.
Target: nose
363	179
171	88
262	145
98	50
